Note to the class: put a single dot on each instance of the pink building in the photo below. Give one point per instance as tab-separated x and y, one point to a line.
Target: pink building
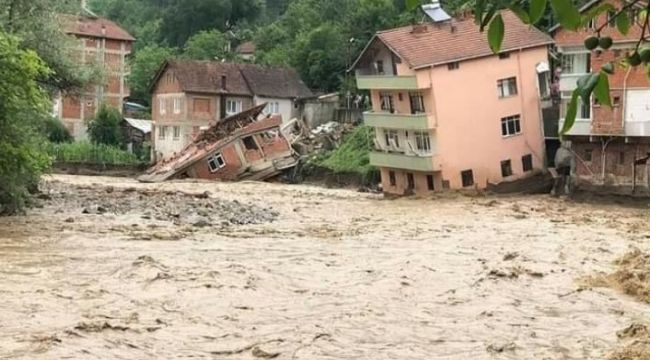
450	114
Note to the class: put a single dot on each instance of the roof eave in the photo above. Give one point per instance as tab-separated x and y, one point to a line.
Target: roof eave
420	67
365	49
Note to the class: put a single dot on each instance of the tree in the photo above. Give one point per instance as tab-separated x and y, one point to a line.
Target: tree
23	107
105	128
318	57
56	132
207	45
144	66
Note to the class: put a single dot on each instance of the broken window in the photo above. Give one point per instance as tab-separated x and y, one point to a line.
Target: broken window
467	177
430	183
249	143
216	163
507	87
506	168
391	178
410	180
527	163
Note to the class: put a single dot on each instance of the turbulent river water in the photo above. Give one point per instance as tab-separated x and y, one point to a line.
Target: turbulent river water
109	268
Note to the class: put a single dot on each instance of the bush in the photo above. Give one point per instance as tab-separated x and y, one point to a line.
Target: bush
353	157
106	128
84	152
56	132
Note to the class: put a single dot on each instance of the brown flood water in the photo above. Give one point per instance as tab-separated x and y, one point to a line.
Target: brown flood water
309	273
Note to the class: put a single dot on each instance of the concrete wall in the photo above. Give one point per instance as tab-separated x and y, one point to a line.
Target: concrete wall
469	116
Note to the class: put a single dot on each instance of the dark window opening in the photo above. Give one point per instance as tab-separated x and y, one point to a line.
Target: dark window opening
216	162
504	55
410	180
527	163
391	178
506	168
588	155
621	158
250	144
430	183
417	103
611	18
453	66
380	67
617	101
468	178
400	97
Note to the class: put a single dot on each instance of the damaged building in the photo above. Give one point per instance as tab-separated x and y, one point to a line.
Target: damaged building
249	145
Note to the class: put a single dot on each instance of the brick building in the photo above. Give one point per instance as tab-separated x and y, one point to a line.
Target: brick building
189	96
606	140
105	44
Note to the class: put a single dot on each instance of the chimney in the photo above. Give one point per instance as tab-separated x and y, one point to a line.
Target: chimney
223	82
419	29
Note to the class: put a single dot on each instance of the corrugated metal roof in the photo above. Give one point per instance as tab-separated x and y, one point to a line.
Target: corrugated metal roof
142	125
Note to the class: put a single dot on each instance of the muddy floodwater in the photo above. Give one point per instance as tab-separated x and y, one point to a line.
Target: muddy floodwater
108	268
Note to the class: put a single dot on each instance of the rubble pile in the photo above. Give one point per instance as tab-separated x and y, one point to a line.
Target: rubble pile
201	210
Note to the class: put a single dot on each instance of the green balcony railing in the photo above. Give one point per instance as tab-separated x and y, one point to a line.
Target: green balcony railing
398	121
403	161
386	82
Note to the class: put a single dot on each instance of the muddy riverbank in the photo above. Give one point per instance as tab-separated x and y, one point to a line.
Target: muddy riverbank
111	268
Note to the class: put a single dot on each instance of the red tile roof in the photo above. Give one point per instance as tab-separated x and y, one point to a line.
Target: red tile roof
96	27
440	44
205	77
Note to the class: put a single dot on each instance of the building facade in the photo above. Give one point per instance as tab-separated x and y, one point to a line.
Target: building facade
606	141
104	44
447	112
189	96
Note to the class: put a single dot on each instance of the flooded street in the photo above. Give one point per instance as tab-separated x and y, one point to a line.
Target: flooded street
111	268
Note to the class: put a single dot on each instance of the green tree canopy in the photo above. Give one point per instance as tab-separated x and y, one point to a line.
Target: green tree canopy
105	128
207	45
144	66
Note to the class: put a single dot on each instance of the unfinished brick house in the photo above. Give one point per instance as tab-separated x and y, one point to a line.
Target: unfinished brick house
606	140
189	96
105	44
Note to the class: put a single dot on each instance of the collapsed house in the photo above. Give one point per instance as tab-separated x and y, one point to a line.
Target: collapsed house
240	147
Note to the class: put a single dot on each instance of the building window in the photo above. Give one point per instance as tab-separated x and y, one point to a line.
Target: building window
506	168
162	132
177	132
417	103
511	125
216	163
453	65
430	183
576	63
273	107
163	107
380	67
621	158
250	144
505	55
507	87
588	155
177	105
584	108
611	18
233	107
423	141
467	177
616	101
592	24
392	138
391	178
410	181
527	163
387	103
543	82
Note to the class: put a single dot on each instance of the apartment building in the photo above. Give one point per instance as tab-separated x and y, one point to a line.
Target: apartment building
607	141
189	96
447	112
104	44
